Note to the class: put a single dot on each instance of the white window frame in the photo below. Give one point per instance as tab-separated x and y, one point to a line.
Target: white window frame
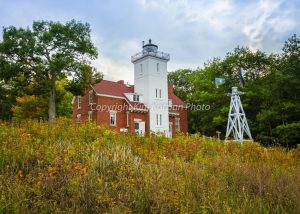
136	98
113	113
91	100
127	118
177	123
78	102
78	119
90	115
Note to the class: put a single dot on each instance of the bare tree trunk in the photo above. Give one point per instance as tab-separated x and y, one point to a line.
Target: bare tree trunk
52	106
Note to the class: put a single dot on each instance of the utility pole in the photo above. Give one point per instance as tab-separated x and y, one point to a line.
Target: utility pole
237	122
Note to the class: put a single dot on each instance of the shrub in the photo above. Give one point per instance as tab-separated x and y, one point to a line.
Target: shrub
91	169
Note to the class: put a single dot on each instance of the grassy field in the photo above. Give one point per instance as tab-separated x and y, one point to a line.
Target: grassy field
90	169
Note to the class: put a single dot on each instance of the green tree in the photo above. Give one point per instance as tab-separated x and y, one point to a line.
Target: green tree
63	99
47	52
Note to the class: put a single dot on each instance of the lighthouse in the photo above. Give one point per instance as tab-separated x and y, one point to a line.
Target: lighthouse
151	80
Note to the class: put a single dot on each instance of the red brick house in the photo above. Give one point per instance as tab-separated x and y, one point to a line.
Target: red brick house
148	106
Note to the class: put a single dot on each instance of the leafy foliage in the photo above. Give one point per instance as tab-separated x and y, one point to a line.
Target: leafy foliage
91	169
271	99
47	52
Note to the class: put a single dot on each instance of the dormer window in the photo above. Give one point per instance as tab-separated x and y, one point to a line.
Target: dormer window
136	98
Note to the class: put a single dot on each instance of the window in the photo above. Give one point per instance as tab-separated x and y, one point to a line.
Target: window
90	115
78	118
158	93
177	123
127	118
170	103
90	97
160	119
79	102
141	70
157	67
113	118
136	126
136	98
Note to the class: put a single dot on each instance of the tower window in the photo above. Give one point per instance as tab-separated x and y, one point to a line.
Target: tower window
157	67
160	119
141	70
158	93
157	119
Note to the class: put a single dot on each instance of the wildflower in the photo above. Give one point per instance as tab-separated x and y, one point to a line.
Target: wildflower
20	174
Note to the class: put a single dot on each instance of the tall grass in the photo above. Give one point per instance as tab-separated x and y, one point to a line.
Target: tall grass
91	169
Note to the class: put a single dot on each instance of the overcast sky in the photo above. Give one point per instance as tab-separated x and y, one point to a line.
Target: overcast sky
191	31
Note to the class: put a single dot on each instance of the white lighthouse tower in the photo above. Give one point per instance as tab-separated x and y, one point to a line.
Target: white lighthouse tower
150	79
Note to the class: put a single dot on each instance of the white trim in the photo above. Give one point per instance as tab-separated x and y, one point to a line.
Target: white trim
174	113
123	98
111	96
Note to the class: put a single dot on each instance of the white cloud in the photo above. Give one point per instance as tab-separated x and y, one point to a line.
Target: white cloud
192	31
114	70
114	59
266	21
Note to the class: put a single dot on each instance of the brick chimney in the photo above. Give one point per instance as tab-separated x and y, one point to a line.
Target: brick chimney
170	88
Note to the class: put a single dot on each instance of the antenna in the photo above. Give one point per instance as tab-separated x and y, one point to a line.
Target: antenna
237	122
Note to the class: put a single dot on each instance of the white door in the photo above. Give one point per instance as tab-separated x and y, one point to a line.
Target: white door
140	128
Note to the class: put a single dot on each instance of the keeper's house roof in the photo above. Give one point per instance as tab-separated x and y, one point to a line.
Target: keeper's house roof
118	89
